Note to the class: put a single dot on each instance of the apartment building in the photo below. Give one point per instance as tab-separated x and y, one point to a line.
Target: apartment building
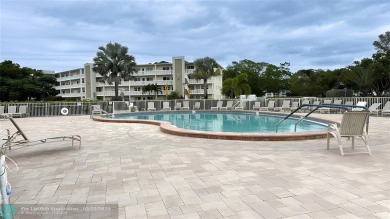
84	83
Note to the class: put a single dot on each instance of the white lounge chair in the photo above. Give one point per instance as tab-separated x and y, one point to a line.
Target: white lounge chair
186	105
353	124
14	142
374	108
285	106
178	106
23	110
2	112
229	105
219	105
386	109
325	109
294	105
361	103
304	108
151	106
315	103
12	112
336	110
271	106
197	106
166	106
257	106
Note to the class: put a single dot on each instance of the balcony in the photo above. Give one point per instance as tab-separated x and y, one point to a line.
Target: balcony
154	72
201	91
72	95
200	81
136	83
133	93
73	77
69	86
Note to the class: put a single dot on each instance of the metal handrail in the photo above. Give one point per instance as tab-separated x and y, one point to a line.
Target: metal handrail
339	106
235	105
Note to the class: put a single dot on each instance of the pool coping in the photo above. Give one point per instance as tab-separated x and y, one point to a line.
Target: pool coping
168	128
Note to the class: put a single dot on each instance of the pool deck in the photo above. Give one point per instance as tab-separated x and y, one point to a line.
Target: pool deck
151	174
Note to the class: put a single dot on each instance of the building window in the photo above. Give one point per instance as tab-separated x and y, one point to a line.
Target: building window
189	67
149	69
166	68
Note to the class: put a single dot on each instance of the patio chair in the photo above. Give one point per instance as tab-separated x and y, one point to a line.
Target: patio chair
166	106
229	105
197	106
361	103
336	110
271	106
12	112
257	106
2	113
186	105
15	141
178	106
386	109
374	108
151	106
219	105
285	106
353	124
23	110
349	103
294	105
304	108
315	103
325	109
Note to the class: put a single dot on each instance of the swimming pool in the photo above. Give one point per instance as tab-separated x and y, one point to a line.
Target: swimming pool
236	122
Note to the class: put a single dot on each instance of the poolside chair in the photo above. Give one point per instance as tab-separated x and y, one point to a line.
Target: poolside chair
186	105
197	106
229	105
325	109
361	103
219	105
353	124
374	108
166	106
294	105
257	106
315	103
23	110
151	106
304	108
386	109
2	113
178	106
12	112
285	106
348	103
15	141
271	106
336	110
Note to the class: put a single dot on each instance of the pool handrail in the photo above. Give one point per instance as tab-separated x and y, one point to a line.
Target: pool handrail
339	106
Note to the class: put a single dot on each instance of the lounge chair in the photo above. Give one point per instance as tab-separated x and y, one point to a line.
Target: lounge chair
257	106
12	112
304	108
197	106
386	109
219	105
349	103
15	141
315	103
294	105
374	108
229	105
2	113
361	103
186	105
285	106
178	106
271	106
325	109
353	124
23	110
336	110
166	106
151	106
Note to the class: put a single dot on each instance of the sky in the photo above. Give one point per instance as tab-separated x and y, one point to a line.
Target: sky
318	34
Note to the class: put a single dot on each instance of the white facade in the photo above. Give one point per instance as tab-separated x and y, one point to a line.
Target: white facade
83	83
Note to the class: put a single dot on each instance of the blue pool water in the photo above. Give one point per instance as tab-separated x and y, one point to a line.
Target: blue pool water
226	121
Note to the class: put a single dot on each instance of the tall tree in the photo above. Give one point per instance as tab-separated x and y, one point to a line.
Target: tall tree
383	44
20	84
114	64
233	87
205	68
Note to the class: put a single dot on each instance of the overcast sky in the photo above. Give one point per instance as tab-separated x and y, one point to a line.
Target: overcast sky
64	34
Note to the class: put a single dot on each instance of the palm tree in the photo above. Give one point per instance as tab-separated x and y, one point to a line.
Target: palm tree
363	77
113	63
235	86
206	68
156	89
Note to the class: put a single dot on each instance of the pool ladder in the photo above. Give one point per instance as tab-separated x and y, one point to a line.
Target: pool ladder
338	106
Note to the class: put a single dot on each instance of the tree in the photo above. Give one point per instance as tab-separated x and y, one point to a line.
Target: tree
20	84
156	89
275	79
383	44
114	64
233	87
206	68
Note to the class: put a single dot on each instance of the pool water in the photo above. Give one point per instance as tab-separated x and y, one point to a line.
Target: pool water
226	121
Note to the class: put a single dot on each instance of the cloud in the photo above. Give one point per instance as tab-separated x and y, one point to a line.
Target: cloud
62	35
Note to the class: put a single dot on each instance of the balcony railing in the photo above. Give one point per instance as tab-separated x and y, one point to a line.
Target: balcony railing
154	72
72	94
133	93
70	77
70	86
137	83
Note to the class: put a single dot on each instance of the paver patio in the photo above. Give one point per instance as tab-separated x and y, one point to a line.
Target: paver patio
149	174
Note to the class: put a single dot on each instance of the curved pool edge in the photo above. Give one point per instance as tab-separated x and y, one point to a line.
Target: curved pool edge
168	128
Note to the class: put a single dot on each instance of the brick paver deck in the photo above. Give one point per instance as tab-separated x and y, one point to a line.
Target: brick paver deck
150	174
